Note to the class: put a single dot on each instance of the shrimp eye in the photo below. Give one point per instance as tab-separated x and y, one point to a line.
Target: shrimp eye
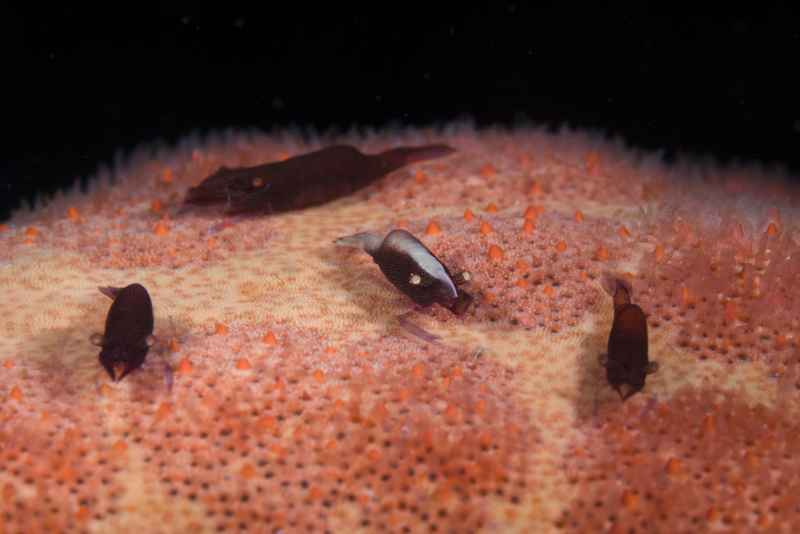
414	279
462	278
258	182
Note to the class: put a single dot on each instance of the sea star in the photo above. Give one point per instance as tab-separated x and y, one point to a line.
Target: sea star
282	396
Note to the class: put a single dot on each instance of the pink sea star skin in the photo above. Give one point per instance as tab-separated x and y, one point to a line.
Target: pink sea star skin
297	403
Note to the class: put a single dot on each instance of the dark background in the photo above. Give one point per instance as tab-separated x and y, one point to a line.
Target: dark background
79	84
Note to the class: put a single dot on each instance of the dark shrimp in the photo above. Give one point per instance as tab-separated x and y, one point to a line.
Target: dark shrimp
128	332
306	180
627	363
414	270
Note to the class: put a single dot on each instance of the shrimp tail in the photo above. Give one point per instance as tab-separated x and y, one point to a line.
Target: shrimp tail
366	241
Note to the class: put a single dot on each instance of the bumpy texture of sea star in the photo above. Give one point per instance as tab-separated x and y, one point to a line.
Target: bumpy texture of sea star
283	396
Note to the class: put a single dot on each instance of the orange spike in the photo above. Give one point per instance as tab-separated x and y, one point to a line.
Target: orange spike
579	216
161	228
267	422
531	213
82	514
8	491
433	229
269	339
173	345
522	266
488	170
730	311
712	514
659	253
772	229
623	232
247	471
379	413
495	253
185	366
601	254
155	206
73	214
420	177
686	296
522	282
491	207
243	364
319	376
468	215
452	414
220	329
535	189
16	393
486	228
528	227
163	411
674	466
480	407
592	163
166	176
8	364
630	500
31	231
119	447
709	424
418	370
561	246
549	291
66	473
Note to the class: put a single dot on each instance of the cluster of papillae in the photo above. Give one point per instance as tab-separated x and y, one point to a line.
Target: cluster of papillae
401	437
728	287
701	461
